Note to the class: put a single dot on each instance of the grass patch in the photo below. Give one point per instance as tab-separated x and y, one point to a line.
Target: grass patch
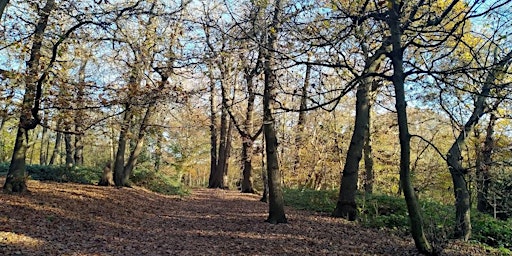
159	182
390	212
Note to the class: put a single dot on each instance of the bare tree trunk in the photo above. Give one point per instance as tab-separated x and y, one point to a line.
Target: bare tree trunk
79	115
454	155
275	192
55	153
264	178
396	56
483	168
301	121
119	178
367	148
213	137
69	150
43	154
3	4
158	151
346	206
139	143
15	180
229	137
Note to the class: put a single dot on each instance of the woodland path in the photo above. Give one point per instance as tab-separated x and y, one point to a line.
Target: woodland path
73	219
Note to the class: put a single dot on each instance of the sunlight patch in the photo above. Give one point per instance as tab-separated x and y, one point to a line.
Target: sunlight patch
10	238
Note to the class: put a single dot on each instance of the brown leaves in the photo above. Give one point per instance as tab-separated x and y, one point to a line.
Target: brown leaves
71	219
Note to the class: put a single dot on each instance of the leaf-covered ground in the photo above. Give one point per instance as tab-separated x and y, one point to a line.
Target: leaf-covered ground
72	219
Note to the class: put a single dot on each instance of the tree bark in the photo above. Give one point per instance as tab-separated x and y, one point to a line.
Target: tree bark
483	168
454	155
43	155
69	150
367	147
79	115
55	153
346	206
15	181
301	121
275	193
3	4
396	56
139	143
119	177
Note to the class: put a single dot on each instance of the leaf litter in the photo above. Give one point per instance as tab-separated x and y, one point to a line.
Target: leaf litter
74	219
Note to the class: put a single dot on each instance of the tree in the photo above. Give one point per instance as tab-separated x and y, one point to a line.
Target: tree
275	193
15	181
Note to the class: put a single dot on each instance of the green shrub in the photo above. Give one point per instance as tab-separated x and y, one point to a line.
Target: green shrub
311	200
494	232
158	181
60	173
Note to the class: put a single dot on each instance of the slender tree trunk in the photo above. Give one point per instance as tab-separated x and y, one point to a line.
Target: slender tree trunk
79	116
3	4
483	168
367	148
396	56
139	143
55	153
225	182
275	192
43	155
247	139
346	205
264	178
302	120
158	151
15	181
454	155
69	150
213	138
121	148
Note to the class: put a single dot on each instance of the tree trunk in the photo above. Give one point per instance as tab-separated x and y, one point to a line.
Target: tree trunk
158	151
275	193
247	165
213	138
264	178
367	148
79	116
454	156
3	4
69	150
483	168
119	177
217	179
15	181
247	139
346	205
225	182
55	153
301	121
43	155
139	143
396	56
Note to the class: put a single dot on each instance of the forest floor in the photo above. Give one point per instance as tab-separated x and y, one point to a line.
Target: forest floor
73	219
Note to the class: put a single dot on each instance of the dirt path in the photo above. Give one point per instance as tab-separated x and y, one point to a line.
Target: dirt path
72	219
